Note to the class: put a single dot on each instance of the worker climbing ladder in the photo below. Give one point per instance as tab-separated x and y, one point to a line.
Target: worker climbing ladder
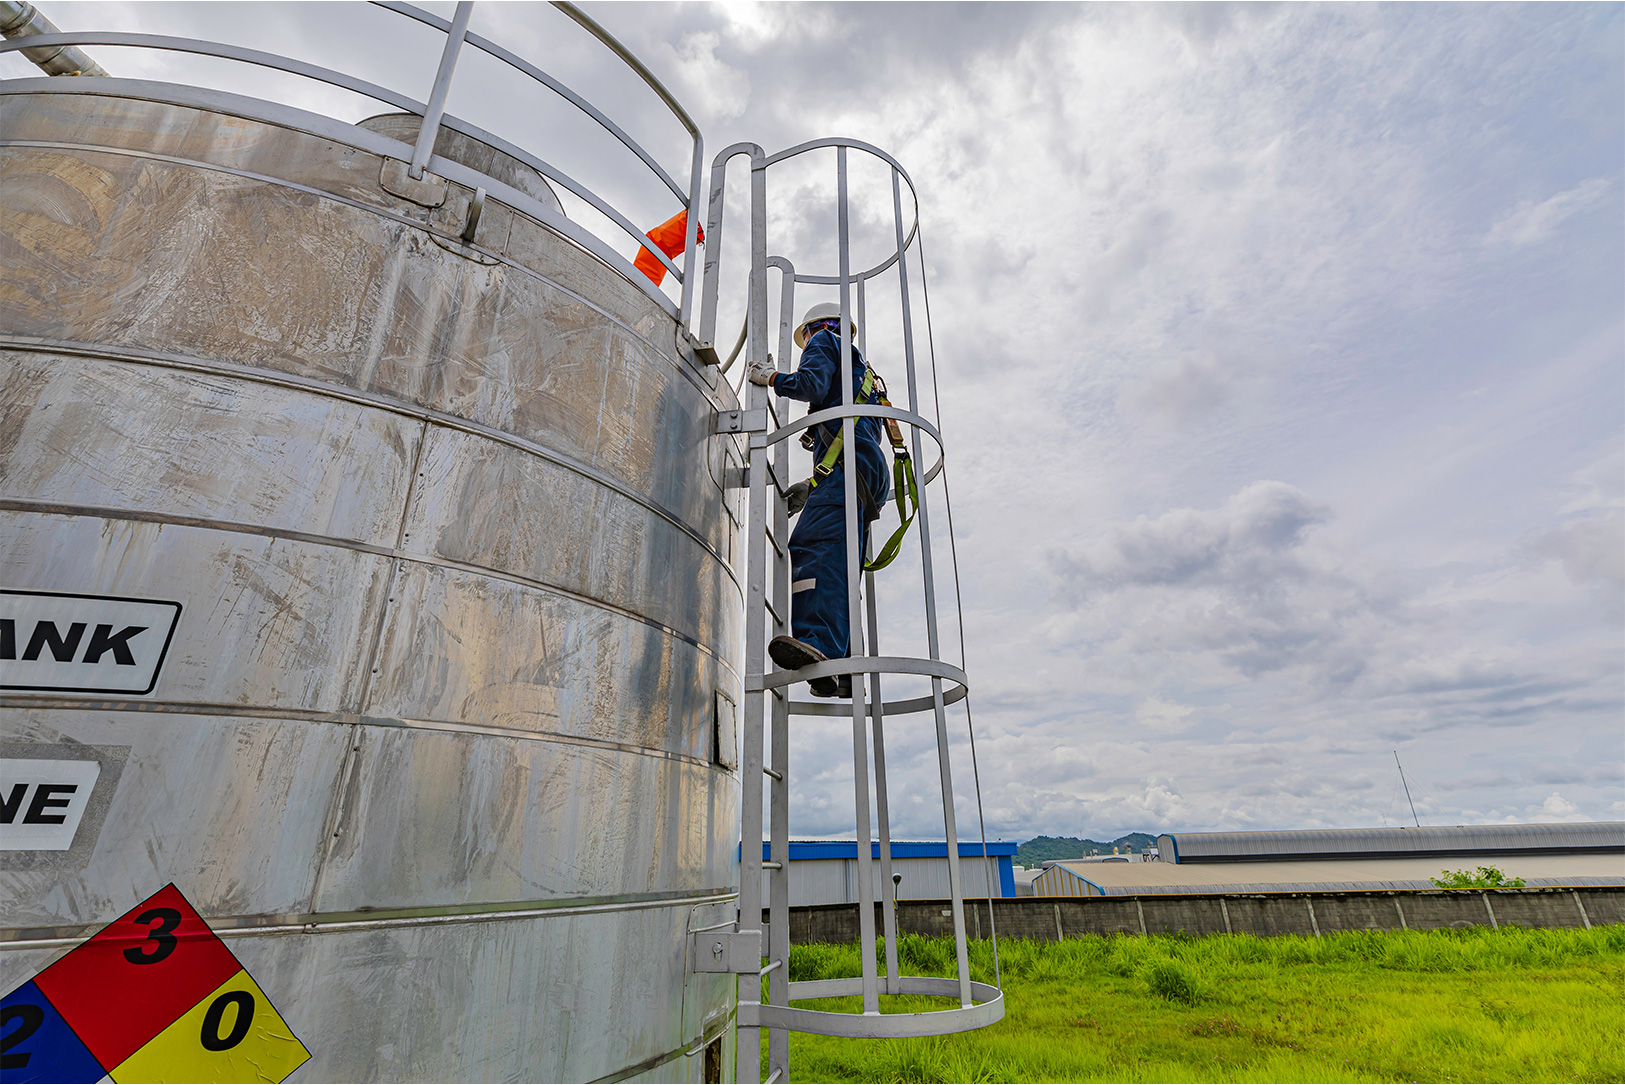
769	702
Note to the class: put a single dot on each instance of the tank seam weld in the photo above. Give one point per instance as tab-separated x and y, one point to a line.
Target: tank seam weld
50	508
313	923
103	352
304	715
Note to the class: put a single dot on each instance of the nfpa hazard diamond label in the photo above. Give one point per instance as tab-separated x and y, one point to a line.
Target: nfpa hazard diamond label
155	996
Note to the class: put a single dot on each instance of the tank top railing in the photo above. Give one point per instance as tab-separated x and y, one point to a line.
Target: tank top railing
418	155
768	705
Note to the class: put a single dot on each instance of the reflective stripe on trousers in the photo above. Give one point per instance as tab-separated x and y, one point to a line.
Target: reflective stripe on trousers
818	612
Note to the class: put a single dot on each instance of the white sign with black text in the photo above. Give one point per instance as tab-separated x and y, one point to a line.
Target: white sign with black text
53	641
42	802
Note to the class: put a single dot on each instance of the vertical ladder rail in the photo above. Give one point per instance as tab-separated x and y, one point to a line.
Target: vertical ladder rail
888	890
854	569
944	769
778	984
748	1057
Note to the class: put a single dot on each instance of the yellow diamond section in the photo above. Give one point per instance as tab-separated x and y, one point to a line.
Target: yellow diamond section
234	1034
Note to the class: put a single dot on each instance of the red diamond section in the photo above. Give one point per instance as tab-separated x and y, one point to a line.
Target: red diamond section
140	973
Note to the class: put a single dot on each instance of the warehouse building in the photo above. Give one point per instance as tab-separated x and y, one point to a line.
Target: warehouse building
1307	860
826	871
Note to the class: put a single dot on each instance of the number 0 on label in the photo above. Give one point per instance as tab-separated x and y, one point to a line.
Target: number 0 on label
232	1034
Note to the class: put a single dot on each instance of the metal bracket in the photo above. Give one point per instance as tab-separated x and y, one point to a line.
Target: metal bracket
429	191
722	951
741	421
705	352
476	207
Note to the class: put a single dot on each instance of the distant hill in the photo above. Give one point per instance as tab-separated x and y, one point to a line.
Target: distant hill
1035	851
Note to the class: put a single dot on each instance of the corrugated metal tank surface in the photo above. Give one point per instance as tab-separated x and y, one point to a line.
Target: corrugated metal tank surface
460	604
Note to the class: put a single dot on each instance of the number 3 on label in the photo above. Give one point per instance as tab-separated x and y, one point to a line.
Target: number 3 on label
164	921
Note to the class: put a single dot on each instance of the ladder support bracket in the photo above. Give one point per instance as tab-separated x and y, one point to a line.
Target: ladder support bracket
705	352
741	421
724	951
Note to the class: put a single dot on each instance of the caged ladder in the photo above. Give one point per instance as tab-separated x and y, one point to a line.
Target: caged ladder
768	704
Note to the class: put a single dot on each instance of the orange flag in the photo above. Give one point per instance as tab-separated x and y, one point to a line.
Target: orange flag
669	237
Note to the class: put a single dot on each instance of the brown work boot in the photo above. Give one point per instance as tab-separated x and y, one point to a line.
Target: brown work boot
839	685
792	654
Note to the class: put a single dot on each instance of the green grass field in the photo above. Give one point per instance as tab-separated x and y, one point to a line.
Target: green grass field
1471	1005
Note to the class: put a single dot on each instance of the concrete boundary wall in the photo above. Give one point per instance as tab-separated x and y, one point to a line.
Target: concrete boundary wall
1047	919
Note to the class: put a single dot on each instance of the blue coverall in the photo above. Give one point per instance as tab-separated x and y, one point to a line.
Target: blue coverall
818	603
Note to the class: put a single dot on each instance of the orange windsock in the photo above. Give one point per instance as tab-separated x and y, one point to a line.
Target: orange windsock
669	237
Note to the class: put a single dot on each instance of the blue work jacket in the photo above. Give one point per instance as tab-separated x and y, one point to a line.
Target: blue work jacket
814	382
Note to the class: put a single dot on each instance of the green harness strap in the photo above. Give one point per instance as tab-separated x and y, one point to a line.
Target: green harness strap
905	487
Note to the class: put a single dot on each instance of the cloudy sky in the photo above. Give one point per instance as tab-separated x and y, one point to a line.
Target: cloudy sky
1282	356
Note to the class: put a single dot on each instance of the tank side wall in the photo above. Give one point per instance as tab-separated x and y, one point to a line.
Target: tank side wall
458	583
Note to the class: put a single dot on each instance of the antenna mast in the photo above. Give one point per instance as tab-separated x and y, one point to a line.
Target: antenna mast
1407	790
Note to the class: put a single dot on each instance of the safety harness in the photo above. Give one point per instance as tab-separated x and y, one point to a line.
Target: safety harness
905	489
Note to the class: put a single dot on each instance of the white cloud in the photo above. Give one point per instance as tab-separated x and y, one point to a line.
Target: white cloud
1531	222
1557	808
714	88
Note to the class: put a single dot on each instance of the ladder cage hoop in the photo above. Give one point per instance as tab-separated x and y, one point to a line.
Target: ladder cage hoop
986	1010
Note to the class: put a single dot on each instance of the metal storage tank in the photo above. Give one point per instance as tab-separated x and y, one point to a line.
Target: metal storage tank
441	741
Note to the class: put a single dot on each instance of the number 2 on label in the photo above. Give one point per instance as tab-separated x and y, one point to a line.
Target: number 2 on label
30	1018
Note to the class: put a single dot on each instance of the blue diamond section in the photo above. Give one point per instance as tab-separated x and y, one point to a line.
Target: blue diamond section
38	1045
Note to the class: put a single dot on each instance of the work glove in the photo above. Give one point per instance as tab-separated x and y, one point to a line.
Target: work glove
761	373
795	498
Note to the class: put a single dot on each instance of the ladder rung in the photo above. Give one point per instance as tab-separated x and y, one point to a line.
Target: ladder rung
776	544
771	967
777	776
775	1077
772	865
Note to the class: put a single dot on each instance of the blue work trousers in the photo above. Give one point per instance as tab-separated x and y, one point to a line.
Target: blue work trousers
818	604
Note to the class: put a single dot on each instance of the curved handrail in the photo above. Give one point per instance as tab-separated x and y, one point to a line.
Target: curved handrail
356	85
869	148
224	52
586	22
346	82
840	141
906	706
886	1025
857	410
714	226
934	668
319	124
865	410
429	18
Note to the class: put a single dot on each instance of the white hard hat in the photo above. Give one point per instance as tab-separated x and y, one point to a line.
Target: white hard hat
824	310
